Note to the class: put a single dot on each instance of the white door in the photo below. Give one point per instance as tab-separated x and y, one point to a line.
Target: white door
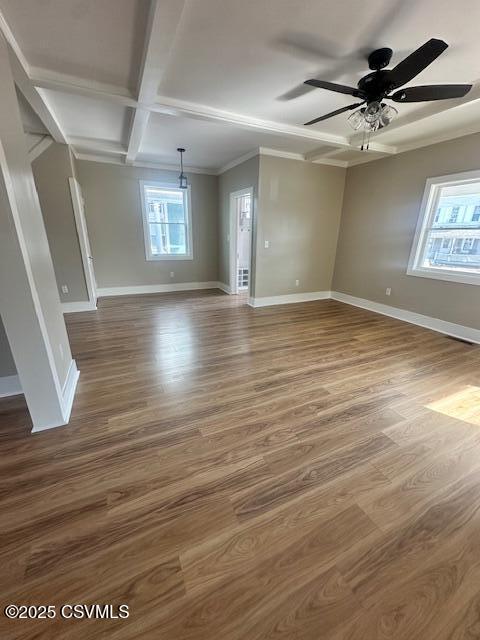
244	228
87	258
240	239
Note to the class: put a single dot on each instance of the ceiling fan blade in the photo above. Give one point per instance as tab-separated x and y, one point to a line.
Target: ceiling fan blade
334	113
297	92
417	61
431	92
332	86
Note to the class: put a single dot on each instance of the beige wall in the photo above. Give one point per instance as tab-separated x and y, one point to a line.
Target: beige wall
51	171
242	176
381	207
114	220
299	208
7	365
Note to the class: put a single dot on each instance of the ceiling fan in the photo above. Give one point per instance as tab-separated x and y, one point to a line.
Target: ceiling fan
378	85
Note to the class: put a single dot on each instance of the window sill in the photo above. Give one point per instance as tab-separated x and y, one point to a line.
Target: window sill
446	276
168	258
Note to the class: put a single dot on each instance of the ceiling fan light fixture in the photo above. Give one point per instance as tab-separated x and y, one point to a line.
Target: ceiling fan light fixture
371	125
372	112
387	114
356	119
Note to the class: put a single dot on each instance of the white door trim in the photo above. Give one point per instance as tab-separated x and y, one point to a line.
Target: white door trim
82	232
233	238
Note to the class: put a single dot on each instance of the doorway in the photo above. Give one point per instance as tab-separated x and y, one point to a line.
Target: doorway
81	224
241	218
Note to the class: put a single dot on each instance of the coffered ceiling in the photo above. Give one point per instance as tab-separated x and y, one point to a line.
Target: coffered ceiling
131	80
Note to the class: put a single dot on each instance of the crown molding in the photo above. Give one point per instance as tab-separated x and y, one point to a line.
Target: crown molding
93	157
237	161
267	151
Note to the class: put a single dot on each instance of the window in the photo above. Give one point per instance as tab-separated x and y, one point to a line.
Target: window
447	246
166	221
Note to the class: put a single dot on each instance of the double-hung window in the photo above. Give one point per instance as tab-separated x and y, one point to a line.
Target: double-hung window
166	221
447	240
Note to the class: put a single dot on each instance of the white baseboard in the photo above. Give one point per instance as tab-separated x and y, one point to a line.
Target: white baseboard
224	287
289	298
74	307
68	394
69	388
435	324
155	288
10	386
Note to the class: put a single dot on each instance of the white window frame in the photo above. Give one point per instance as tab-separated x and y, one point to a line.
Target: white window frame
187	203
427	211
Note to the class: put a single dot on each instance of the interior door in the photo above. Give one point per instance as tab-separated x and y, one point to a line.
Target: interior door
87	258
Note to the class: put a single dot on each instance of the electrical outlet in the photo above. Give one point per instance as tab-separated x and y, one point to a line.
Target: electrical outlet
64	288
297	282
388	291
267	244
172	274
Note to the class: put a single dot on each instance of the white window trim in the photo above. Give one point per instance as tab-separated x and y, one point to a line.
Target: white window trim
146	231
432	190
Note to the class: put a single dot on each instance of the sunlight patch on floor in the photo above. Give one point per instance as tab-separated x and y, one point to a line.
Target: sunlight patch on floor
463	405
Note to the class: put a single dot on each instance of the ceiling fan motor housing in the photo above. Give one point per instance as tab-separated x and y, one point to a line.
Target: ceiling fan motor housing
380	58
375	86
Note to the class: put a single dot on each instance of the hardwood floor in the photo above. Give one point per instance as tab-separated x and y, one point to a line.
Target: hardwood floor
307	471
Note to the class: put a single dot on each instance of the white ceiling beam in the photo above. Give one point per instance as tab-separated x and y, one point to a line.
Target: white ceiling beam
34	96
318	154
322	154
54	81
38	148
137	131
37	100
182	108
265	151
96	146
163	21
378	147
70	84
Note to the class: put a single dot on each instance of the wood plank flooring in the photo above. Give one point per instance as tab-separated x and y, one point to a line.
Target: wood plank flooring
303	472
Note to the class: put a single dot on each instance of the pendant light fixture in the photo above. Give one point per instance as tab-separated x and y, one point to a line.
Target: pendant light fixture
182	178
